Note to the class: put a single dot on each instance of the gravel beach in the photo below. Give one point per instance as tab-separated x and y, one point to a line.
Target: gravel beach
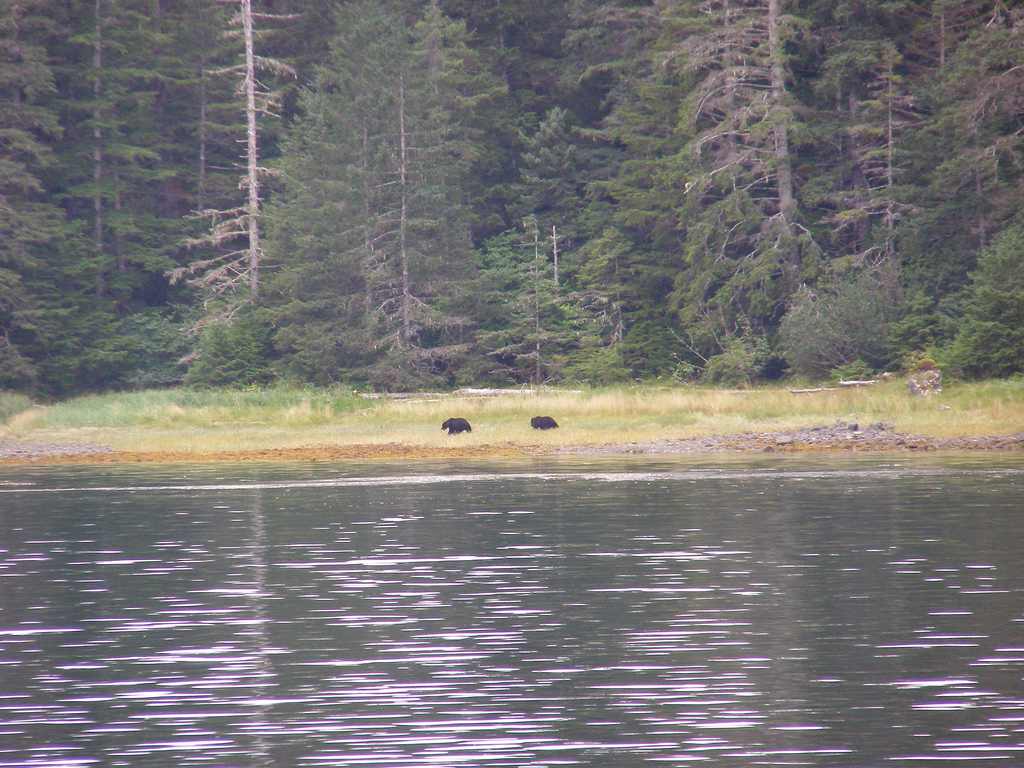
841	436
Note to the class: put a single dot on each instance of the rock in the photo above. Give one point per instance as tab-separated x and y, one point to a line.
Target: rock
925	383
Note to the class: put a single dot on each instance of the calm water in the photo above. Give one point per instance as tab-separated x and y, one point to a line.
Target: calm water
613	614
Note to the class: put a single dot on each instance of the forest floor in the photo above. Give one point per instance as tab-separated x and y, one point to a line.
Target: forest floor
318	425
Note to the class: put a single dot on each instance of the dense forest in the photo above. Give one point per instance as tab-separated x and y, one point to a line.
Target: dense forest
408	193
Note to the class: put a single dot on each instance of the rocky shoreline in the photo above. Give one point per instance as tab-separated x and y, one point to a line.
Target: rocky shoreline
841	436
15	450
838	437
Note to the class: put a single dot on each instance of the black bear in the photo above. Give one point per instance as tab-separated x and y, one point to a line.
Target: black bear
454	426
543	422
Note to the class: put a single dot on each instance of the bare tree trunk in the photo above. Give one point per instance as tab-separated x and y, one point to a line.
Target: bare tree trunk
889	174
784	171
203	135
536	302
979	198
619	329
252	179
403	220
889	171
730	90
122	265
97	150
554	251
942	38
982	223
367	231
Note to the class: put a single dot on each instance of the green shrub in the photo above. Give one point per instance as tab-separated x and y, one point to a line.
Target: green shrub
648	349
920	361
924	324
858	370
153	347
235	353
838	325
16	370
740	362
686	372
597	366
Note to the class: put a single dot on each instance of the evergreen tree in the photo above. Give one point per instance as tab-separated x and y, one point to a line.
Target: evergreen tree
873	113
553	176
532	330
706	177
518	43
744	248
30	225
114	136
385	143
991	337
201	138
969	150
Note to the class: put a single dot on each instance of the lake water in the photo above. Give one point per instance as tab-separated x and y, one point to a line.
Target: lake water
615	613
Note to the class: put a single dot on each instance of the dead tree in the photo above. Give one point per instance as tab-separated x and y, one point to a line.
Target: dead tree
233	266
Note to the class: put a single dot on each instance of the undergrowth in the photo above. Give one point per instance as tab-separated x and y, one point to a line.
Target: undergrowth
11	404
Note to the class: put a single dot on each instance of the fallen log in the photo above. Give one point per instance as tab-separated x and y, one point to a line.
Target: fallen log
813	389
855	383
401	395
463	392
486	392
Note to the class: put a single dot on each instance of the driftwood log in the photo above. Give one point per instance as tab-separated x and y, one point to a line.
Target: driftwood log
841	384
464	392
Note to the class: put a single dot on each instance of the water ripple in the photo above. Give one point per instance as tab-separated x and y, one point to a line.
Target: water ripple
693	617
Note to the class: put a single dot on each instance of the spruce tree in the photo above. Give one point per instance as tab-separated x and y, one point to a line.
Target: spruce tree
745	250
30	225
991	338
371	230
969	149
113	144
532	330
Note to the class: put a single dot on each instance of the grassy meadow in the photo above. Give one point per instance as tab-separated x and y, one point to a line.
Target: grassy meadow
211	421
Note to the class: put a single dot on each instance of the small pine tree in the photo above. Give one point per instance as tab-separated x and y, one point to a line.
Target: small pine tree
991	337
235	353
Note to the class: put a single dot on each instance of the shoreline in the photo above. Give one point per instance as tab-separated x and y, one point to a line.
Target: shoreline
840	437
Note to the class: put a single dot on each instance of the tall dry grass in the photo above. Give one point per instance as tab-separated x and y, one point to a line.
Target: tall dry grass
640	413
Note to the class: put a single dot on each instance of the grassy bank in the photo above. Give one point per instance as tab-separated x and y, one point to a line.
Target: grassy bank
202	422
12	404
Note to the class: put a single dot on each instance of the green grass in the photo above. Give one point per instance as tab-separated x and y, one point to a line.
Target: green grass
11	404
205	421
180	408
